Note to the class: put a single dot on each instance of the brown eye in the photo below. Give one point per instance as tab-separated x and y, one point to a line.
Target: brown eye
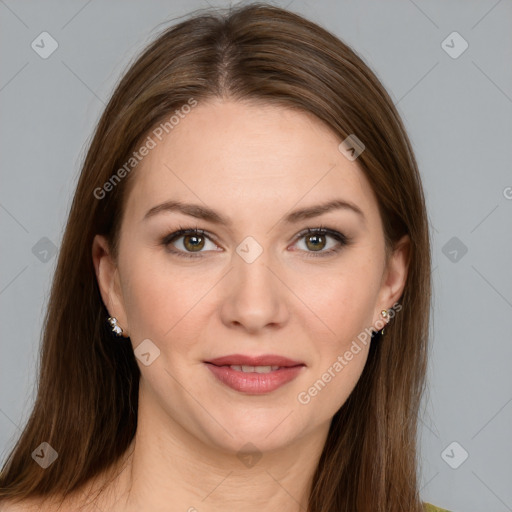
193	242
322	241
188	242
315	242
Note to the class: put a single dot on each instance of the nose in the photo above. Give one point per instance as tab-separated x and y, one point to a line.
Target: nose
255	298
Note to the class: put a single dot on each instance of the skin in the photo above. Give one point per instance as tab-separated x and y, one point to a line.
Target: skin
253	164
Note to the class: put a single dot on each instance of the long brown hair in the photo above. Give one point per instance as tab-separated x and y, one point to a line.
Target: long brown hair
87	399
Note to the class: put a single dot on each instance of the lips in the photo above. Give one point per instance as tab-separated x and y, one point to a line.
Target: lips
263	360
255	375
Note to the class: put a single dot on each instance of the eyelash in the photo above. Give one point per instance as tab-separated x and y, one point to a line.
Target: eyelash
342	239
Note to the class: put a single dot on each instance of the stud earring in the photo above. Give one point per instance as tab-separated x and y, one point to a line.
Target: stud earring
384	314
114	326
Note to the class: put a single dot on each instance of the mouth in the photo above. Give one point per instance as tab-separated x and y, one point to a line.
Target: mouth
252	369
255	375
265	360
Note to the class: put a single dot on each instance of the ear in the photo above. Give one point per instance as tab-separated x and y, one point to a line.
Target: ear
107	275
393	280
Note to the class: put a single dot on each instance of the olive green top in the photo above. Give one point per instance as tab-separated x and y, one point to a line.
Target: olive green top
431	508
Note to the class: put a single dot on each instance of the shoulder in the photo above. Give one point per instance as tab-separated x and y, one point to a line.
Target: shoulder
428	507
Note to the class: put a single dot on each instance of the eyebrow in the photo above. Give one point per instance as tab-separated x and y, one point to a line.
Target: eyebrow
207	214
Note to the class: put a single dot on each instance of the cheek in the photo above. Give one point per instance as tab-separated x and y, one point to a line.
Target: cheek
342	300
160	300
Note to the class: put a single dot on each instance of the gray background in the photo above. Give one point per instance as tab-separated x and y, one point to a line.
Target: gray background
458	114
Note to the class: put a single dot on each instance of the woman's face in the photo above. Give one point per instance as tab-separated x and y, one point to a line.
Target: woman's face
253	284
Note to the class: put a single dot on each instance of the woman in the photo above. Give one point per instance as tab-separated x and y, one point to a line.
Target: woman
240	309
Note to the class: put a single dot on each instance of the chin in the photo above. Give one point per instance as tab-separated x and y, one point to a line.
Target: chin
263	429
253	441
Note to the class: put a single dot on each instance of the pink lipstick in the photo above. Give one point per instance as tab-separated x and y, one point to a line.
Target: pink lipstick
255	374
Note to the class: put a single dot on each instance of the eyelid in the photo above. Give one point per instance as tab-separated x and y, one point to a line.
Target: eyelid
322	230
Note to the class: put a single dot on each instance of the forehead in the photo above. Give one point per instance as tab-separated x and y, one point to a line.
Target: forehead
238	157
